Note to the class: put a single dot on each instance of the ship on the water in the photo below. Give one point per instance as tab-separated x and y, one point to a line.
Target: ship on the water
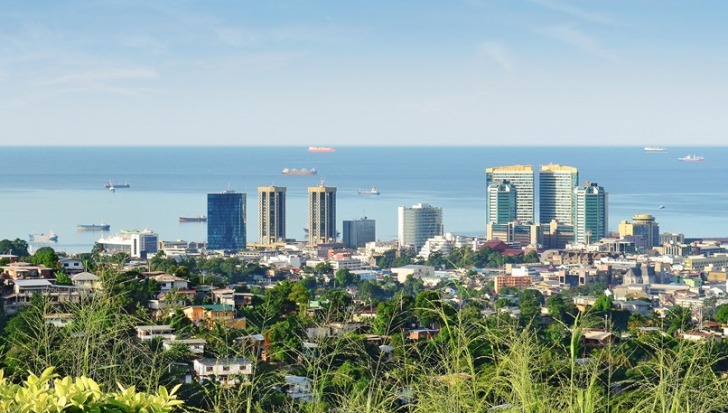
49	237
655	149
372	191
691	158
300	172
199	218
321	149
110	185
93	227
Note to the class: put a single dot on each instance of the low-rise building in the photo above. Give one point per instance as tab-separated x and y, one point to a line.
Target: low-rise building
416	271
145	333
228	371
196	346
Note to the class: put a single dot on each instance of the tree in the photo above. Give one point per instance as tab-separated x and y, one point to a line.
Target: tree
427	307
45	256
678	319
62	278
324	268
345	277
300	295
721	313
602	304
530	302
18	247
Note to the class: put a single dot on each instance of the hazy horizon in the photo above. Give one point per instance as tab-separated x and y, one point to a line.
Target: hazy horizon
380	73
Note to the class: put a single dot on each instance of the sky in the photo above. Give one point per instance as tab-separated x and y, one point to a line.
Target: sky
376	72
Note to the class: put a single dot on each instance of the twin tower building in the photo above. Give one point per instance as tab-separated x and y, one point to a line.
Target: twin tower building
226	222
568	211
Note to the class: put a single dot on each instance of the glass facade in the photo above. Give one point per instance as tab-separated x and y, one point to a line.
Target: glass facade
357	233
226	221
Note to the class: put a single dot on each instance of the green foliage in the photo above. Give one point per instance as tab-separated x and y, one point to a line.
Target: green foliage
45	256
17	247
48	393
602	304
62	278
721	313
345	277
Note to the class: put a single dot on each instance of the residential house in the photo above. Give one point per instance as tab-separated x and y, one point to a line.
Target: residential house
299	388
71	265
145	333
212	313
169	282
86	280
196	346
228	371
24	270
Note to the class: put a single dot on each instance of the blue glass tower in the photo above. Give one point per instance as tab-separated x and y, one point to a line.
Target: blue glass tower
226	221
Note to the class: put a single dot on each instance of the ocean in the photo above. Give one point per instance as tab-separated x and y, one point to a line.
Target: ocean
56	188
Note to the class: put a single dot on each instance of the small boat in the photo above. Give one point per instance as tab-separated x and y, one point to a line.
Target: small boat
655	149
372	191
112	186
321	149
93	227
299	172
49	237
661	207
199	218
691	158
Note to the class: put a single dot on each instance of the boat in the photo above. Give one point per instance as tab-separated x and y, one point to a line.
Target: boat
111	186
49	237
93	227
691	158
655	149
199	218
372	191
322	149
661	207
300	172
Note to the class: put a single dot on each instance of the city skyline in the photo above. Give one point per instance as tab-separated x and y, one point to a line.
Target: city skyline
521	73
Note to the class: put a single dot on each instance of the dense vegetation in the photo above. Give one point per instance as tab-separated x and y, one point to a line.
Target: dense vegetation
483	358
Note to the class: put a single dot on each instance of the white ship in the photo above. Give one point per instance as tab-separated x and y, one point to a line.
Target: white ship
691	158
372	191
654	149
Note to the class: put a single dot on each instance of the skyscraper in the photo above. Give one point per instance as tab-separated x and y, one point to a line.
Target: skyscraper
556	190
226	222
417	224
521	177
321	214
590	213
501	203
271	214
356	233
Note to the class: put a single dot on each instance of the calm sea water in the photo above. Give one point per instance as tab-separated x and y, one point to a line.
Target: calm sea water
48	188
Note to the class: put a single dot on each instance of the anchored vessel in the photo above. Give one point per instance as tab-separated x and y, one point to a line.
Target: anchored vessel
655	149
199	218
302	171
691	158
372	191
321	149
49	237
111	185
93	227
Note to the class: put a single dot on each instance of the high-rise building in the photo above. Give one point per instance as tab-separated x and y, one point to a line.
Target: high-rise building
521	177
556	189
356	233
590	213
501	203
271	214
321	214
417	224
643	229
226	223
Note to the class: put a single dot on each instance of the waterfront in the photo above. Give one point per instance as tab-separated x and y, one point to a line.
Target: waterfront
49	188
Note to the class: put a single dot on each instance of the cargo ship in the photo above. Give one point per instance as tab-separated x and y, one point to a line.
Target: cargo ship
691	158
372	191
93	227
655	149
321	149
300	172
199	218
49	237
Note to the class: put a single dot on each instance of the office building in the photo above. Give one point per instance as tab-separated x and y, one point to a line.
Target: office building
226	223
556	189
417	224
321	214
501	203
521	177
514	232
271	214
590	213
358	232
643	229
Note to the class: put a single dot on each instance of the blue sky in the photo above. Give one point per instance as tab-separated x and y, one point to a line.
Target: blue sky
473	72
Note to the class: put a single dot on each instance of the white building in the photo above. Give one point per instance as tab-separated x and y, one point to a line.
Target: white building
145	333
224	370
417	224
417	271
138	244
